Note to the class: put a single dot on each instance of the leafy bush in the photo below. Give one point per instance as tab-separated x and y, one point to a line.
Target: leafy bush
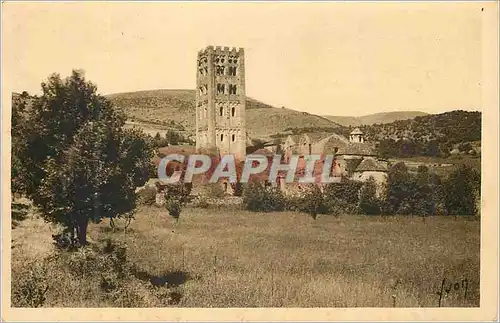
173	206
461	189
347	190
368	201
401	187
259	197
64	240
405	207
108	260
176	195
97	273
440	209
213	190
385	207
202	203
146	196
311	202
29	285
237	189
173	137
179	191
420	194
342	198
292	203
465	147
335	207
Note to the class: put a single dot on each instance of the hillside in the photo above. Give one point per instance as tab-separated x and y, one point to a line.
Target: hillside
430	135
376	118
162	107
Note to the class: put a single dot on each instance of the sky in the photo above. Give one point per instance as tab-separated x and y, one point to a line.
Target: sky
324	58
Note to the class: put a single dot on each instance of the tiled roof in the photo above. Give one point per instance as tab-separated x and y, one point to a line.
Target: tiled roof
181	149
263	151
357	148
333	141
356	132
369	164
317	136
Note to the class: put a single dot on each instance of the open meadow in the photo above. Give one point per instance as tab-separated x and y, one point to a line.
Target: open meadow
234	258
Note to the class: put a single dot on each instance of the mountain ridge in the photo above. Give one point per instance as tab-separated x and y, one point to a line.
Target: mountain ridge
162	106
376	118
158	106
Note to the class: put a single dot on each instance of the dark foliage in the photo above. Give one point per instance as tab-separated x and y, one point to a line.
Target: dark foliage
401	188
80	164
259	197
172	138
368	200
146	196
431	135
311	202
461	191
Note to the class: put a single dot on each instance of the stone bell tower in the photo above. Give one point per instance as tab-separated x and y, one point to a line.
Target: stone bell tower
220	100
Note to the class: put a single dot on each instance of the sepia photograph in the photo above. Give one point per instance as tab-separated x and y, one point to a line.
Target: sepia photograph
250	156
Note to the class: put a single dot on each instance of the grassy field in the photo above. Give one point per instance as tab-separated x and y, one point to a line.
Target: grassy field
224	258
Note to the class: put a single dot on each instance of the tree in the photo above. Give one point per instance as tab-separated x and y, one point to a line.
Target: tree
388	148
259	197
176	196
313	201
465	146
432	148
342	198
368	201
19	145
173	137
158	141
401	188
84	165
427	192
460	190
173	206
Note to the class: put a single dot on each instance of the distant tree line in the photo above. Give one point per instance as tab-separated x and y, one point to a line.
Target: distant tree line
432	135
171	138
405	193
302	130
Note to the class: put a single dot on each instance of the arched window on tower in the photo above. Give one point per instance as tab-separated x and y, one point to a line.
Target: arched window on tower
221	137
219	69
221	110
220	88
233	110
233	137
